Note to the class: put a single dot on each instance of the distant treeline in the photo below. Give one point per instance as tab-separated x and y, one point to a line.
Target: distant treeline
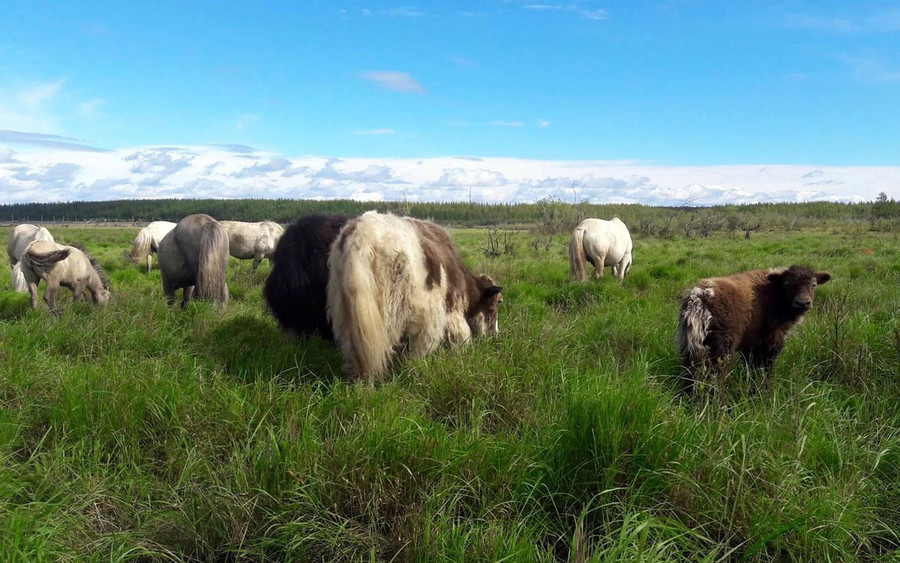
882	214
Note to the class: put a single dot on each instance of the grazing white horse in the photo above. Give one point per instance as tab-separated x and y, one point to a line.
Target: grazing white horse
66	266
252	240
147	242
19	239
602	243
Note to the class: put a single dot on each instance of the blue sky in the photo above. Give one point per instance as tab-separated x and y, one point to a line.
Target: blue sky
660	84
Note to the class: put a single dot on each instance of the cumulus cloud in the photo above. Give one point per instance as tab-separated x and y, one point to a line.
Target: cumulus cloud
393	80
469	177
59	174
277	164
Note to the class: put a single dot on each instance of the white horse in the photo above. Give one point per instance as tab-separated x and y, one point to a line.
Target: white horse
252	240
147	242
66	266
19	239
602	243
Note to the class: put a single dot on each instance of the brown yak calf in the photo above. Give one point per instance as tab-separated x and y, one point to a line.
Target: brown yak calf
750	313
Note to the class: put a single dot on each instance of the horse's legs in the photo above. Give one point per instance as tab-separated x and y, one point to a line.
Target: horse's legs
33	290
186	296
149	261
50	295
169	292
78	292
599	265
256	260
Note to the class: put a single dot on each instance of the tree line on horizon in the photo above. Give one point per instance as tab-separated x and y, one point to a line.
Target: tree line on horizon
549	213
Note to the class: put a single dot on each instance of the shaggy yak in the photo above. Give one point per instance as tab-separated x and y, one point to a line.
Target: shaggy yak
397	281
750	313
296	287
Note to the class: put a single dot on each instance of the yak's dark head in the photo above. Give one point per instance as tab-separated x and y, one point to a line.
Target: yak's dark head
486	312
796	288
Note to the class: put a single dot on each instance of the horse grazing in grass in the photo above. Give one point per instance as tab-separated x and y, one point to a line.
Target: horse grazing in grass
66	266
252	240
147	242
296	287
397	281
19	239
602	243
194	257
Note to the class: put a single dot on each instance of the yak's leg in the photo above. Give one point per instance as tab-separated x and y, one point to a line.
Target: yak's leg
50	295
458	330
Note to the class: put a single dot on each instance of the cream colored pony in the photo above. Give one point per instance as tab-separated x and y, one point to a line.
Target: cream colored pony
147	242
66	266
19	239
602	243
252	240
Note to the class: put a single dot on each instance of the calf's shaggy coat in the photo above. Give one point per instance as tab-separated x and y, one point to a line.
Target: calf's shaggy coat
750	313
296	287
397	281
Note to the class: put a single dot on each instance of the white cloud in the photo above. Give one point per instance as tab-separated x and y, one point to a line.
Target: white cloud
543	123
393	80
871	68
89	108
375	132
59	173
30	108
507	123
596	15
404	12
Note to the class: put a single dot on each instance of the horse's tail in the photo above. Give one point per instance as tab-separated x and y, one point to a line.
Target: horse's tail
354	305
43	261
577	265
213	263
141	247
18	279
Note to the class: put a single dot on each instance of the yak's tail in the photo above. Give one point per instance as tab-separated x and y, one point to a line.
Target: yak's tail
577	265
212	266
693	325
141	247
357	308
18	279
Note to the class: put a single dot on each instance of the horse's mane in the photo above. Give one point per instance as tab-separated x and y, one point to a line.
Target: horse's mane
94	264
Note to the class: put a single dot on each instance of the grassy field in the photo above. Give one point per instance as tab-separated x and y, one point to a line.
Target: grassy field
139	432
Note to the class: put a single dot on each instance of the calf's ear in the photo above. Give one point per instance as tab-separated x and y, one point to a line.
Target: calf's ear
822	277
491	291
775	277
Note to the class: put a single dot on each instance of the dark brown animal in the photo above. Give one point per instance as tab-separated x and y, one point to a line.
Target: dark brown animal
397	281
296	287
750	313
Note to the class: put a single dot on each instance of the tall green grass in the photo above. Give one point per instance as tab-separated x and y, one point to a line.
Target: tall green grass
139	432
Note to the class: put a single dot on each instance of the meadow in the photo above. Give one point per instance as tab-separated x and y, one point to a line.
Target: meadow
137	432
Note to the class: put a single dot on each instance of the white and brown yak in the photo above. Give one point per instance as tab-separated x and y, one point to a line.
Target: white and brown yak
397	281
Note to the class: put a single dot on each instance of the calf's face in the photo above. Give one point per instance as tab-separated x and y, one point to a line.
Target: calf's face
796	287
485	319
